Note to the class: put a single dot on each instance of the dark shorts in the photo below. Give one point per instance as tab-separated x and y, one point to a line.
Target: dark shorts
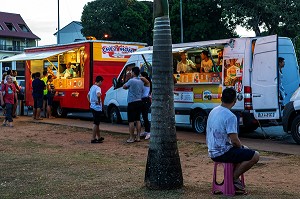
50	100
38	102
235	155
134	111
96	116
45	97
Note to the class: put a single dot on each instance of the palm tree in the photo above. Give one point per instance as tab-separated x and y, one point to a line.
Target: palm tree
163	169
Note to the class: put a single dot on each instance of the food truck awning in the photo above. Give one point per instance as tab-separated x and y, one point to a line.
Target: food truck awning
174	50
34	55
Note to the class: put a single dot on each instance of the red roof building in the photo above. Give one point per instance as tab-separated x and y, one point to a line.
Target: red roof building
15	35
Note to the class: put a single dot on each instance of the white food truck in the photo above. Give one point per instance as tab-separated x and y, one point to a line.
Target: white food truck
250	65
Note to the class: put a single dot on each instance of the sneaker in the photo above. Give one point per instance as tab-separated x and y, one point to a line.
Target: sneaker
130	140
94	141
238	185
100	140
143	134
147	136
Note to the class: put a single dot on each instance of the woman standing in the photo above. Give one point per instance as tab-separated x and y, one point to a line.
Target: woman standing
50	96
146	99
9	95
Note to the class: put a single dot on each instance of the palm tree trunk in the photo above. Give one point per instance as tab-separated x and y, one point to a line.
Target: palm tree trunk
163	169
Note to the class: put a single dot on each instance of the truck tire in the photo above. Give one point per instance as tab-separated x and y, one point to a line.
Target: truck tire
61	112
295	130
114	115
199	122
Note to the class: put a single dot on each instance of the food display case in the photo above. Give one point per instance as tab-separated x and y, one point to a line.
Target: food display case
199	78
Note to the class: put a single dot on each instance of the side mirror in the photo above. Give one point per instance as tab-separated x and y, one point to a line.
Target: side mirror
115	82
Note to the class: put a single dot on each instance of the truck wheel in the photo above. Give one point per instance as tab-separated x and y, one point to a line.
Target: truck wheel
199	122
295	130
114	115
61	112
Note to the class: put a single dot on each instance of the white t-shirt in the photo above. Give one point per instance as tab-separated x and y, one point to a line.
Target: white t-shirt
207	65
95	103
221	122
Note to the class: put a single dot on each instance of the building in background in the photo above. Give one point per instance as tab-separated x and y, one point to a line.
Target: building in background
15	35
70	33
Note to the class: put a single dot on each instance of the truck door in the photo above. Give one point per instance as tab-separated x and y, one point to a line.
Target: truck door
264	79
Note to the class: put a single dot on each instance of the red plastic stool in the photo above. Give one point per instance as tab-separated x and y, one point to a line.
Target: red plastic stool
226	186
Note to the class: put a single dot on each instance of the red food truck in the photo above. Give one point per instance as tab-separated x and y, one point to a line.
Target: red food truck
88	59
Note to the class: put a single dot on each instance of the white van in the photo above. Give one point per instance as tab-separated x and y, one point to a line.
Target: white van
250	65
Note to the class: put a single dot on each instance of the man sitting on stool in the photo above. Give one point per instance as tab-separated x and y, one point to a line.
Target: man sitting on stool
222	138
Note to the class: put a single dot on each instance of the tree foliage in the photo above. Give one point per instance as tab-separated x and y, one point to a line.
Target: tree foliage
201	21
264	17
122	20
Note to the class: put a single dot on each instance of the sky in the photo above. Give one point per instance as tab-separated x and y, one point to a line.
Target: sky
41	16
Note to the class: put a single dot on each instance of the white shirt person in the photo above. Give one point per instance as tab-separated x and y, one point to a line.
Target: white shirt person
185	65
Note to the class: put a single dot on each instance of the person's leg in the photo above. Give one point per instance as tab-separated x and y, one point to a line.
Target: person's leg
145	110
245	166
95	130
130	114
14	112
39	107
131	130
34	107
44	107
138	130
137	118
9	112
38	114
49	106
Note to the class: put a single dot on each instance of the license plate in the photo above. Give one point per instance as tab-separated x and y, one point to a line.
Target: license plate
266	115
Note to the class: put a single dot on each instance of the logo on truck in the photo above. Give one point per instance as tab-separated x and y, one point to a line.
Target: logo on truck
117	51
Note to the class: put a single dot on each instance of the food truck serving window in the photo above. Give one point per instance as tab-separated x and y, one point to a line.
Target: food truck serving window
201	65
69	69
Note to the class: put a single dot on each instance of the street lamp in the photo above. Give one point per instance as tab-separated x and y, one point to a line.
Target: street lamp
58	34
181	23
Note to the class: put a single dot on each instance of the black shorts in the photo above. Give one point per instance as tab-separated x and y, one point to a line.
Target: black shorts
235	155
50	100
134	111
38	102
45	97
96	116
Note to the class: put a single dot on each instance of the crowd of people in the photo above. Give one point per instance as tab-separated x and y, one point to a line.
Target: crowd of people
10	91
43	92
222	125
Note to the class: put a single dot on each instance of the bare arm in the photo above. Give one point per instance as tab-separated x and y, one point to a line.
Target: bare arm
125	86
88	98
235	140
146	82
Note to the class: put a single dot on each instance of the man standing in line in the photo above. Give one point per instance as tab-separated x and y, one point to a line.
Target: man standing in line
222	138
135	88
38	87
94	97
281	64
45	79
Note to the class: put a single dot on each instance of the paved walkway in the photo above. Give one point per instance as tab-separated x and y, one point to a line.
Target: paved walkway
280	146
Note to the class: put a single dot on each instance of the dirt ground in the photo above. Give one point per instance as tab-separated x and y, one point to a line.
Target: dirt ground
275	176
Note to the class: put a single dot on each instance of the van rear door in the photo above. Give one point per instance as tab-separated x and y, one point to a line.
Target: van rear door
264	78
